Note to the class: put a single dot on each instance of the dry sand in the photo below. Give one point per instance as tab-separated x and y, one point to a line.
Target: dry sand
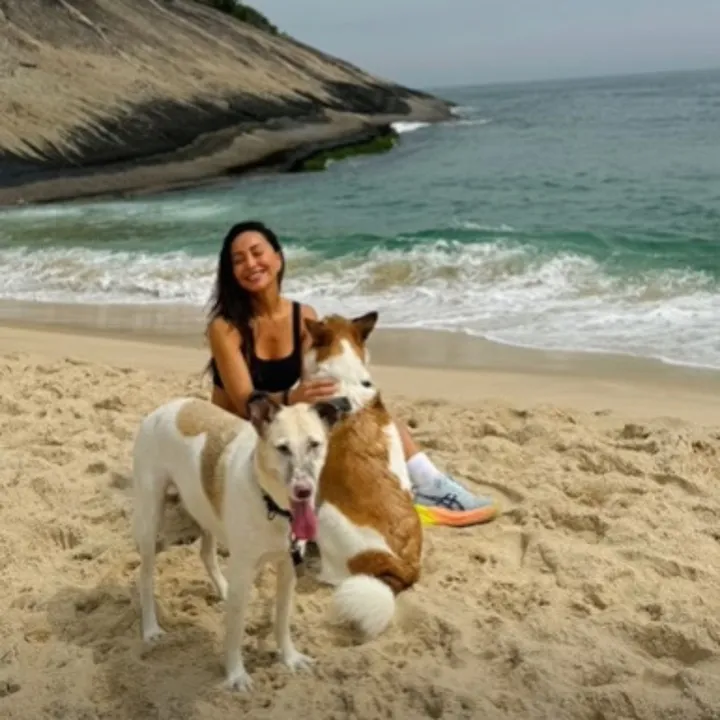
595	595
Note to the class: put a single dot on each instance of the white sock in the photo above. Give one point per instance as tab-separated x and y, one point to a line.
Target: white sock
424	476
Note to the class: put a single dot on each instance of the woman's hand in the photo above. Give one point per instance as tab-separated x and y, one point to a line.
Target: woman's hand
310	391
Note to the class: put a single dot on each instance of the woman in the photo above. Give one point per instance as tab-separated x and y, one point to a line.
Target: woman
257	339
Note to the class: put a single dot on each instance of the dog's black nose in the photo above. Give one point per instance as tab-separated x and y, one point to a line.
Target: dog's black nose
303	493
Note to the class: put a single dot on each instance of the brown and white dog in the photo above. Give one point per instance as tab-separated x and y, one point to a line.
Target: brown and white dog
245	484
369	533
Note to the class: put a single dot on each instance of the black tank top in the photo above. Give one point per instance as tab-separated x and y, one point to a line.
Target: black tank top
274	375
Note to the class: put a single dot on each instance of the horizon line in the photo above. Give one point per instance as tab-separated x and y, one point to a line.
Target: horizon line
568	78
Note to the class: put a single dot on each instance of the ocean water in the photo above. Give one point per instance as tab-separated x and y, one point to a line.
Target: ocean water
580	215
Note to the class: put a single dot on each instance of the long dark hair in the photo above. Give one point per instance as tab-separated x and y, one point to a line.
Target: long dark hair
230	300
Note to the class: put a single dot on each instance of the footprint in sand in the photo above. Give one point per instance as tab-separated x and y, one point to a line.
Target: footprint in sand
666	567
96	468
633	431
689	646
601	462
65	538
114	404
509	548
508	495
590	525
678	481
702	447
8	687
650	446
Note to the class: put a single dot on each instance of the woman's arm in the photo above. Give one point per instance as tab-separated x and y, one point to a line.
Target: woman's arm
226	348
307	312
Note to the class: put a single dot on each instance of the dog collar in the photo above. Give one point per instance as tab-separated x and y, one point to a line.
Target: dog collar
274	509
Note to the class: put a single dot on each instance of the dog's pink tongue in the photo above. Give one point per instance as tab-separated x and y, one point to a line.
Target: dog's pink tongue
304	521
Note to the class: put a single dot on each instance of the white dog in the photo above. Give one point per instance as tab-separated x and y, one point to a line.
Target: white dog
246	484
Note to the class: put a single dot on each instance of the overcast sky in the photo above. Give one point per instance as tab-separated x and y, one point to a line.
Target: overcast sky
450	42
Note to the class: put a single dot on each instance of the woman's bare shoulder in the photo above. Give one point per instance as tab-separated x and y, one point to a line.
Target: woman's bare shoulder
221	331
308	312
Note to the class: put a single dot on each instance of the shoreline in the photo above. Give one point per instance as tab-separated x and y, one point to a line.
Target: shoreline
426	363
183	325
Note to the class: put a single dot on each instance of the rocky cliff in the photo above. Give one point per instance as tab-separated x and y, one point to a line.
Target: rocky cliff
125	96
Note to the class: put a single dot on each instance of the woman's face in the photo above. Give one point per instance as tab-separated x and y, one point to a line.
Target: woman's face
255	263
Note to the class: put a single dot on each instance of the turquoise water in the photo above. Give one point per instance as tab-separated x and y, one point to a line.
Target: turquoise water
578	215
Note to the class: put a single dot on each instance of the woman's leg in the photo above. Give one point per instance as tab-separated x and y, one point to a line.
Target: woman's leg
437	489
410	447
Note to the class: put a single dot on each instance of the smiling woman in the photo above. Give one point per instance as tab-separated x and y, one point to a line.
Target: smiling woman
258	338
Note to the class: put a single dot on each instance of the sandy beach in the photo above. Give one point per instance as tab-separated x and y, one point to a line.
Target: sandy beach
594	595
538	214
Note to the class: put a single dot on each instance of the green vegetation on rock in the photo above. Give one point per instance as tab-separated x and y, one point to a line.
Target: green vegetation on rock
319	161
244	13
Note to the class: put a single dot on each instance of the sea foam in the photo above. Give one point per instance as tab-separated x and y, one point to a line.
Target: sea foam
501	289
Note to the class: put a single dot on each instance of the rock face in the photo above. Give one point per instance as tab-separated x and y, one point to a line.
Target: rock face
131	95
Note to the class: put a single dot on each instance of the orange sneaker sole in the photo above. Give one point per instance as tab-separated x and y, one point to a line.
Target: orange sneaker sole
456	518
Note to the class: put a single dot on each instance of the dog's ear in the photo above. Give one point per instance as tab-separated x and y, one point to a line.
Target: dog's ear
333	410
317	331
261	409
365	324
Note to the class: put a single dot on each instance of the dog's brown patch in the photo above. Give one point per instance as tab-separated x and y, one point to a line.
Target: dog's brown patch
327	335
356	478
221	427
396	573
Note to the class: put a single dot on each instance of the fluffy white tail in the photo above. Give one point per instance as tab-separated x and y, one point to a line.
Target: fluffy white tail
365	601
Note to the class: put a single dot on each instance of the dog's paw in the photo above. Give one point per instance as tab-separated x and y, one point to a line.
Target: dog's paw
294	661
153	634
239	681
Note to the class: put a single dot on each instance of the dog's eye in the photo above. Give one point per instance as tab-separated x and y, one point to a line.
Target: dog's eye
283	449
313	444
366	383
